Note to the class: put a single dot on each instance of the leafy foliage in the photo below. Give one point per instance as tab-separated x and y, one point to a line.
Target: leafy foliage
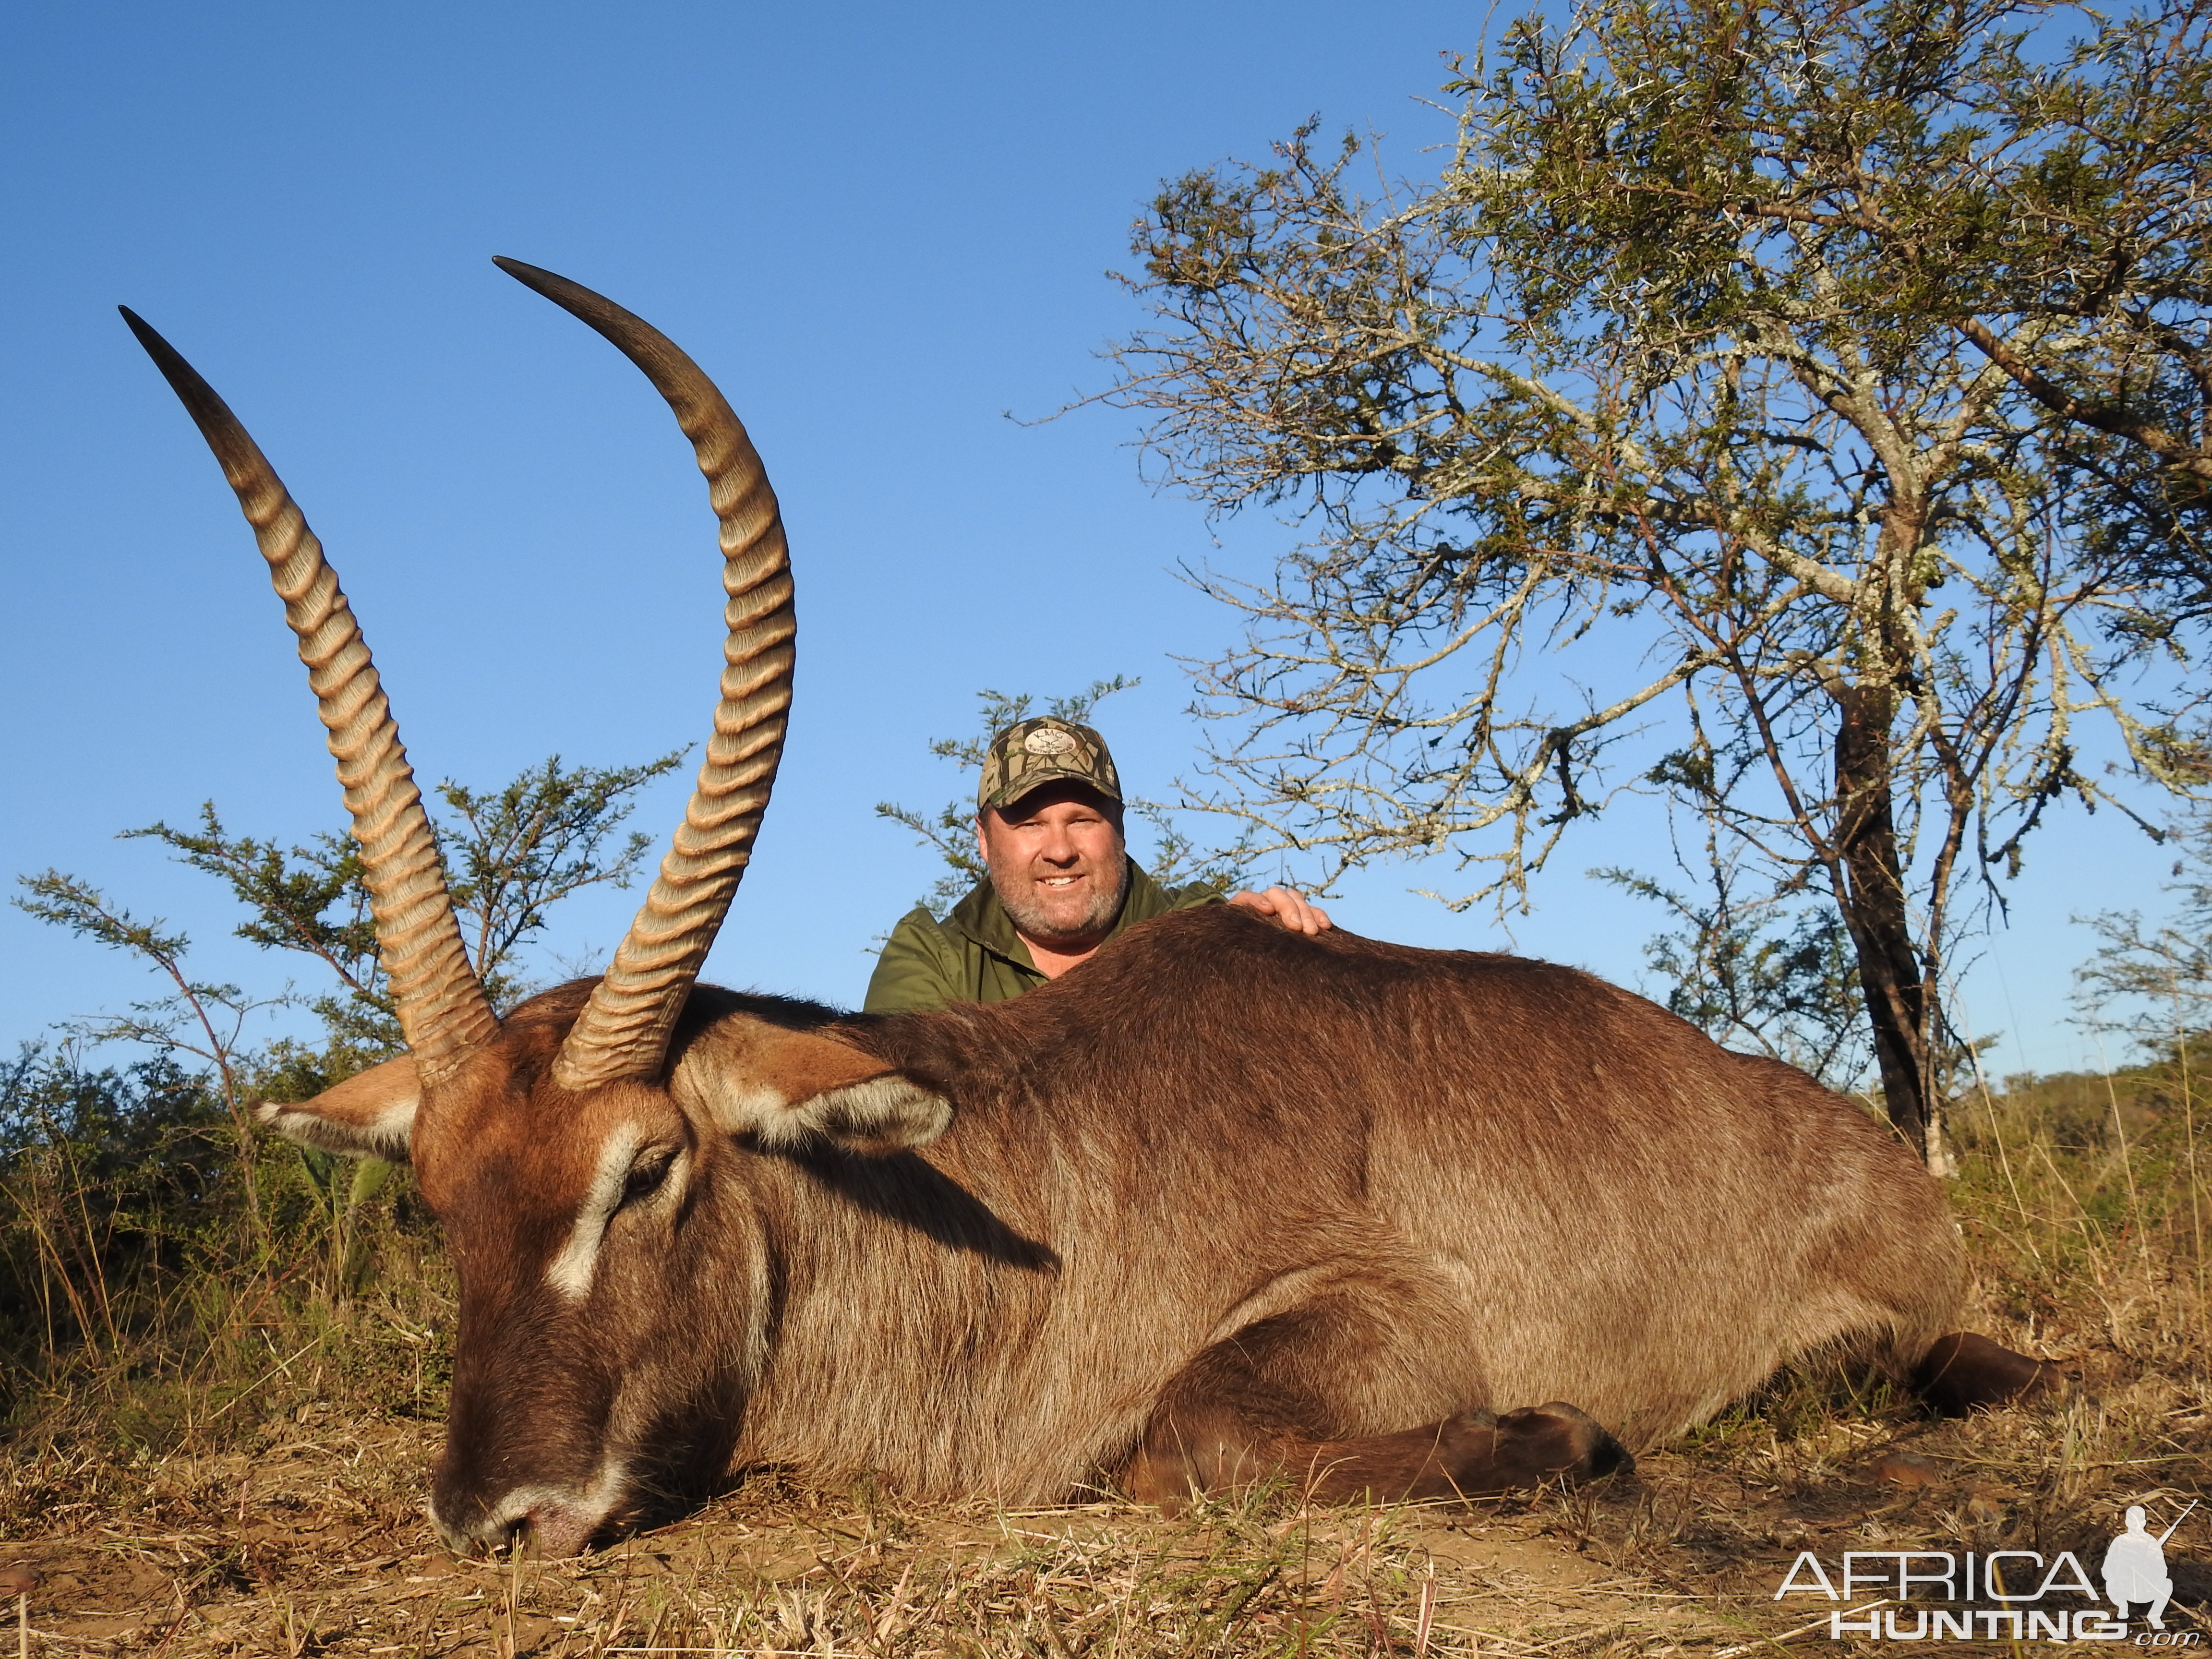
1762	970
2157	977
198	1022
103	1176
510	853
513	852
150	1134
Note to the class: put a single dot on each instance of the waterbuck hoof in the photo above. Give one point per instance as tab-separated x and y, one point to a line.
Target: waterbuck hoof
1526	1448
1966	1372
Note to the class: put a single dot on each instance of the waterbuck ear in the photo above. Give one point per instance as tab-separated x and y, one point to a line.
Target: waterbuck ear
748	1076
370	1114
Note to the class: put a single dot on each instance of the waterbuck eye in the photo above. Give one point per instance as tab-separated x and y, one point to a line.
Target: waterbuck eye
646	1177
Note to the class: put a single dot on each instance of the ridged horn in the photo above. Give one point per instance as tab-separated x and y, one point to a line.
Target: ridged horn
624	1029
442	1004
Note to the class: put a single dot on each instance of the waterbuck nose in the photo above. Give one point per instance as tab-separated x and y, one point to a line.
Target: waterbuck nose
536	1522
554	1528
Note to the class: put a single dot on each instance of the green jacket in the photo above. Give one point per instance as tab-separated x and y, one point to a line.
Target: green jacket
974	955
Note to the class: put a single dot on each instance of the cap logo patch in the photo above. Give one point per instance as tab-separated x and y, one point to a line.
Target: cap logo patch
1031	753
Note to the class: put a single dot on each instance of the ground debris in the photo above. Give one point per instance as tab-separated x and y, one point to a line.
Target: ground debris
1683	1557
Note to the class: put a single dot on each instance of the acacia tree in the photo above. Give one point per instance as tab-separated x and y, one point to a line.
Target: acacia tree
1822	385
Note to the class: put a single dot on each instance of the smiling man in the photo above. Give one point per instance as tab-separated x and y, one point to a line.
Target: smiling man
1061	884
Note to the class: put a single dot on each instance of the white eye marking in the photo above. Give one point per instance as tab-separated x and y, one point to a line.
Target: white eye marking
570	1272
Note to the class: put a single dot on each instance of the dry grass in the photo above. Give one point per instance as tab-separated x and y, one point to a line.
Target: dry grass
243	1475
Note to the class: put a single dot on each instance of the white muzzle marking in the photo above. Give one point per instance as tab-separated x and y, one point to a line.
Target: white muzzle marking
561	1521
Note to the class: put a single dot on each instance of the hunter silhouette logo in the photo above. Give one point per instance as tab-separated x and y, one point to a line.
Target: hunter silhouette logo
2134	1566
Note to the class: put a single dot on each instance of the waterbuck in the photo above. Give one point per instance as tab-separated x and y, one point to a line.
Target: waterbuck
1224	1204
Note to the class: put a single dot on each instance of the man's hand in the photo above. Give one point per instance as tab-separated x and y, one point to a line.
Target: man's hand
1293	910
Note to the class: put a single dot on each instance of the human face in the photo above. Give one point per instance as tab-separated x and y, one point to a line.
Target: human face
1056	860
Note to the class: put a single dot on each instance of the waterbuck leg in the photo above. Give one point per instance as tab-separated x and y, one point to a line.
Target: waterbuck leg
1965	1372
1256	1408
1471	1455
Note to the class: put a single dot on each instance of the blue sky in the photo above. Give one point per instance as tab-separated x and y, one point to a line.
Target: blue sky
880	229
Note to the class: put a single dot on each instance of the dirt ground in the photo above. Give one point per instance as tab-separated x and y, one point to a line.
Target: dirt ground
314	1544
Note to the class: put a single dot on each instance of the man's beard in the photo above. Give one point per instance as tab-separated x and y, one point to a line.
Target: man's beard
1030	919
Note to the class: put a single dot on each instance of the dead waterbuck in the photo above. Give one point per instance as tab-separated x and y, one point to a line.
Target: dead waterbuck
1223	1204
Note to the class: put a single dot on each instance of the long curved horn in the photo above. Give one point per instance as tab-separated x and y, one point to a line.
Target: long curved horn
623	1030
441	1005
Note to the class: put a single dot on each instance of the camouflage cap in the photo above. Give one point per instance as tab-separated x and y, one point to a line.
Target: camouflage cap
1034	752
